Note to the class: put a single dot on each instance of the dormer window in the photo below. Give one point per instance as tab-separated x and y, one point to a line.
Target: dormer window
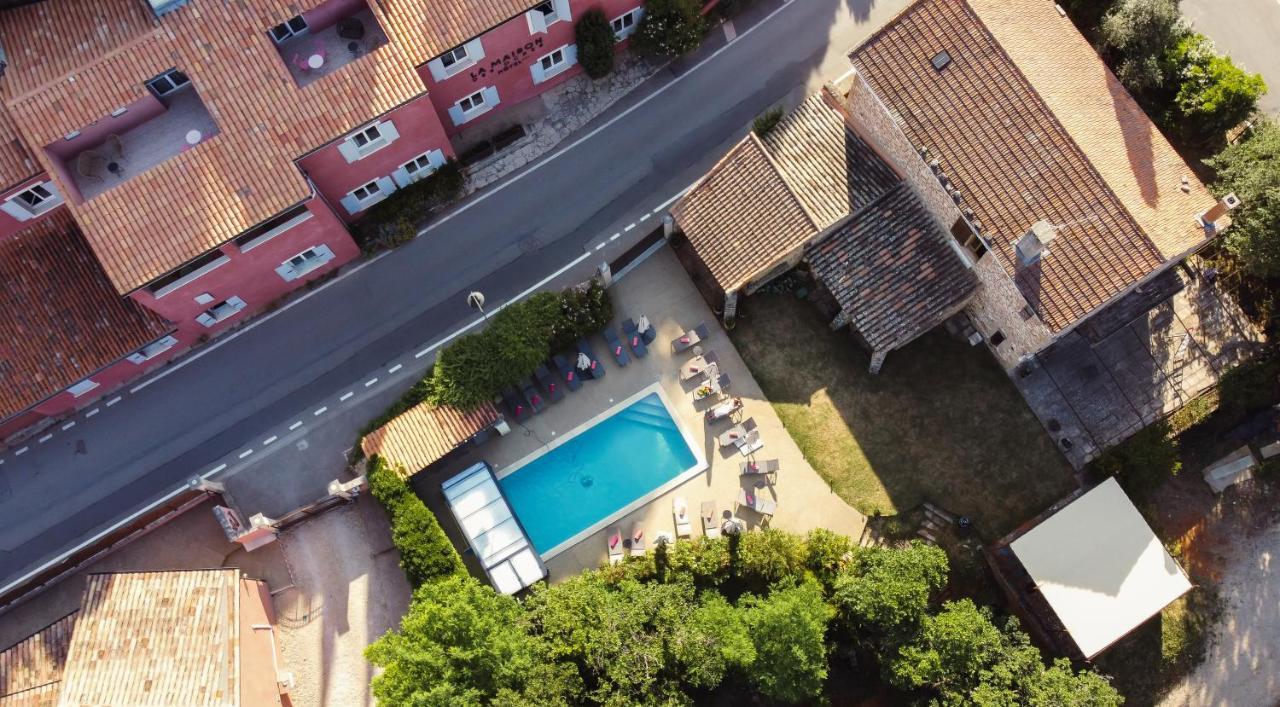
289	28
168	82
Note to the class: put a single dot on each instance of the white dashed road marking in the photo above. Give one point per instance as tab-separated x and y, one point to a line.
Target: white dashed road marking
295	425
113	401
91	413
246	453
629	227
269	440
215	469
395	368
600	247
69	425
321	411
45	438
370	382
645	216
345	396
21	451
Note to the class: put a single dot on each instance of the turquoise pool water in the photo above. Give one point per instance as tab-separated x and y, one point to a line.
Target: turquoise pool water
595	474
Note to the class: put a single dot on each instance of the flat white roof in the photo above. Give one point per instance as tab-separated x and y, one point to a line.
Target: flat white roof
1100	567
493	532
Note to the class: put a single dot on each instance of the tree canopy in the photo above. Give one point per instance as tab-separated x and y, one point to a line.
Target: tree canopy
1139	33
1251	169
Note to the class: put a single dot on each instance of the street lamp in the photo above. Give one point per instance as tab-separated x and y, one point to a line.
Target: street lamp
476	299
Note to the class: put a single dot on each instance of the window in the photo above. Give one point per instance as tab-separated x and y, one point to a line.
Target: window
965	236
624	25
366	195
82	387
187	273
272	227
220	312
304	262
367	192
457	55
548	10
150	351
997	338
547	13
32	201
367	136
284	30
421	166
168	82
552	60
368	140
473	102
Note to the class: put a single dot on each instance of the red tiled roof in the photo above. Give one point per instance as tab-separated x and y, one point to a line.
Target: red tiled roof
31	670
61	317
16	164
425	433
427	28
237	178
1001	143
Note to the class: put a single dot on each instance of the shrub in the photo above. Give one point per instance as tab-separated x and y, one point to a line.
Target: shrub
1249	169
770	556
584	310
1139	33
789	629
670	28
426	554
396	219
1249	387
827	553
886	593
595	43
767	121
1214	95
1143	462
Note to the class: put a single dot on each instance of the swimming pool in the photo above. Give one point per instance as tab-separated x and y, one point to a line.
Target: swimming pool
634	454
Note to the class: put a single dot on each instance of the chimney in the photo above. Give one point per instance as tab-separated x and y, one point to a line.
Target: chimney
1209	219
1034	244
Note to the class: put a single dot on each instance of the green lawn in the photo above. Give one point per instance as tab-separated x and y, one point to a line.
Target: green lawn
940	423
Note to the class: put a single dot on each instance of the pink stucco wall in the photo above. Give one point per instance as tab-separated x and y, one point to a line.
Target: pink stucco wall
92	135
420	131
509	51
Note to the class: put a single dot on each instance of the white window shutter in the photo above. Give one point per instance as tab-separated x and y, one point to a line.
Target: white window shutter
436	158
325	253
389	132
475	50
349	151
386	185
351	204
137	358
491	96
455	112
436	67
537	21
539	74
571	54
401	177
236	303
16	210
206	319
562	9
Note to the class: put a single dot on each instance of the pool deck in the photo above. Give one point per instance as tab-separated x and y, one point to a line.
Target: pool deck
660	289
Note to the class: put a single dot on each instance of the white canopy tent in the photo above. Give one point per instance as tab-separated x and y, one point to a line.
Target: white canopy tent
1100	567
492	530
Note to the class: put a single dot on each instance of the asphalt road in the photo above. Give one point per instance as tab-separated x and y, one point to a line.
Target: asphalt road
1248	30
233	407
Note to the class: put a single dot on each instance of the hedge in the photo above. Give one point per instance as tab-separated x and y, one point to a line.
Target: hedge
395	220
426	553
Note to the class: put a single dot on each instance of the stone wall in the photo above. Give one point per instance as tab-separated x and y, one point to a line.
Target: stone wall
998	306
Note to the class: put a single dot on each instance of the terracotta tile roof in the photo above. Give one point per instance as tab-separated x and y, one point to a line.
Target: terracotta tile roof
235	179
425	433
1121	142
156	638
61	317
31	670
829	168
428	28
16	163
891	270
743	216
1002	145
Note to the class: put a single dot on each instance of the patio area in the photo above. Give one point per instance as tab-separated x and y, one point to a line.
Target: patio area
660	289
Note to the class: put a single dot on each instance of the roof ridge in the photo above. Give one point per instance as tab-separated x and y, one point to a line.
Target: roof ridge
154	33
791	189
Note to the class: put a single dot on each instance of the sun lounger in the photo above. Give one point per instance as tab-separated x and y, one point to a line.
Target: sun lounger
647	331
570	376
710	524
633	337
753	468
548	383
532	395
722	382
516	405
722	411
615	345
615	545
734	435
637	541
698	366
754	500
750	444
680	509
594	368
690	338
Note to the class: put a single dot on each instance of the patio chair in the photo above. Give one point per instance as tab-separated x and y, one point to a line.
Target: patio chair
90	164
637	541
518	408
680	509
594	369
698	366
768	467
646	330
690	338
735	435
548	383
709	526
751	443
723	382
755	501
723	410
115	148
633	337
615	545
570	376
619	351
531	394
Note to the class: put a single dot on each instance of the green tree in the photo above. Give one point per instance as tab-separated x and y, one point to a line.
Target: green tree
1019	677
1139	33
950	650
711	641
886	591
1251	169
771	556
595	42
1214	95
789	628
827	553
463	644
669	28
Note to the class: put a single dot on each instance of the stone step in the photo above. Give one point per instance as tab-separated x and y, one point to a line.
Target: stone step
935	512
929	537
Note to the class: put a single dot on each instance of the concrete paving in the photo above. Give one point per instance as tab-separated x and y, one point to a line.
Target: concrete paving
660	289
